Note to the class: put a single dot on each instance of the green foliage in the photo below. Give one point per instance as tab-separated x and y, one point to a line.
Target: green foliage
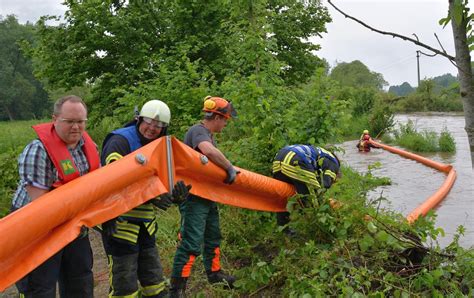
431	96
13	138
425	141
381	118
446	141
21	95
377	116
462	15
355	74
119	46
401	90
437	94
298	116
356	249
9	174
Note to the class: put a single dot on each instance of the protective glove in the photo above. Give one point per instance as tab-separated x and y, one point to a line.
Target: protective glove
109	227
180	192
163	201
231	175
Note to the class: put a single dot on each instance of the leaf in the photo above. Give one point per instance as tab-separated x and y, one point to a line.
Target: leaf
382	236
366	242
371	227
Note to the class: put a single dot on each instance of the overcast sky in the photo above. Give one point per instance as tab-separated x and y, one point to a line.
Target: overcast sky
346	40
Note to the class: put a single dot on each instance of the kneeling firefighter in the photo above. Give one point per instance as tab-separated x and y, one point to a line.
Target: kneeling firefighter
129	240
308	168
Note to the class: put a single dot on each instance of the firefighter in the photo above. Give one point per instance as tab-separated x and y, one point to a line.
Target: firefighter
199	216
308	168
129	240
364	144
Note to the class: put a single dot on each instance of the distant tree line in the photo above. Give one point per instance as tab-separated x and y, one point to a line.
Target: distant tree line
440	93
22	95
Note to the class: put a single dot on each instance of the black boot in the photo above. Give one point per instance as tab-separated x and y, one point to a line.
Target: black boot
220	276
178	287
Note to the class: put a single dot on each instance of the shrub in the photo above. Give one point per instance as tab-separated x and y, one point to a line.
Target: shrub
446	141
425	141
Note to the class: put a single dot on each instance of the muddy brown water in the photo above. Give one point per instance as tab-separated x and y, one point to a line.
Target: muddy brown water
413	182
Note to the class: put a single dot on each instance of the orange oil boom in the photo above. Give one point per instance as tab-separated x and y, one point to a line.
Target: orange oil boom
37	231
440	194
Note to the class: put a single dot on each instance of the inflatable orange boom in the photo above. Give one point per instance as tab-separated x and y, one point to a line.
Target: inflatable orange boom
440	194
37	231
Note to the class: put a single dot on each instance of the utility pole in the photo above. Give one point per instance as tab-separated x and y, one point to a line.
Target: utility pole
418	66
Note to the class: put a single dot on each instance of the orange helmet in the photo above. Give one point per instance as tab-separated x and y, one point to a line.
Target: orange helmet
219	106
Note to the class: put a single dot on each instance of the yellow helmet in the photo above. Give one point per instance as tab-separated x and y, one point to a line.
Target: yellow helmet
366	132
157	110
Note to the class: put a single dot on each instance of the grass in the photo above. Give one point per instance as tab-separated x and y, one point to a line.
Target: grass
356	249
16	133
408	137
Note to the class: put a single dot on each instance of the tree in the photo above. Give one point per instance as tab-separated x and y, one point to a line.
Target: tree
401	90
356	74
21	95
462	22
119	45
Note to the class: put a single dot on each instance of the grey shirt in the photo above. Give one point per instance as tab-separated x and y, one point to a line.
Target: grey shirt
197	134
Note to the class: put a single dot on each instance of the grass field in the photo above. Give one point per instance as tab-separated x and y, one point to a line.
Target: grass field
14	135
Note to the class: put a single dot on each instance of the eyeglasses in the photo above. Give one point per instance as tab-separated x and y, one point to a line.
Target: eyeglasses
71	122
154	123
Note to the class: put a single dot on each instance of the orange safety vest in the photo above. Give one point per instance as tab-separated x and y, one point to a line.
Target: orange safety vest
60	156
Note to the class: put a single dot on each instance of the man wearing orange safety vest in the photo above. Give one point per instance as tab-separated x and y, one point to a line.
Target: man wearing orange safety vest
129	240
200	217
62	153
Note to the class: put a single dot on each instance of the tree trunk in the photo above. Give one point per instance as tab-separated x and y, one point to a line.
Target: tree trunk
463	61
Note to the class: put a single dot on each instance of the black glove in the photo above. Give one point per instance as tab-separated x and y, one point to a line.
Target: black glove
180	192
109	227
231	175
163	201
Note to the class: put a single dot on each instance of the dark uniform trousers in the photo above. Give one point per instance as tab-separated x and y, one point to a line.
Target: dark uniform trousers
131	262
71	266
284	217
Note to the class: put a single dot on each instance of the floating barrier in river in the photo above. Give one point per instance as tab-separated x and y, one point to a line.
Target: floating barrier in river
440	194
37	231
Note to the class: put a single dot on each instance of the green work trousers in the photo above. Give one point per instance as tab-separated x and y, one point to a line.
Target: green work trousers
199	227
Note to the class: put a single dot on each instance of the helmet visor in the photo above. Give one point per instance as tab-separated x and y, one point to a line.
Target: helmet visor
155	123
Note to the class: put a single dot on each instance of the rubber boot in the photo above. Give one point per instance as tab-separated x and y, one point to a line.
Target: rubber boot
178	287
221	276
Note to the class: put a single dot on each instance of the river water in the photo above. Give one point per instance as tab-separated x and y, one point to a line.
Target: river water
413	182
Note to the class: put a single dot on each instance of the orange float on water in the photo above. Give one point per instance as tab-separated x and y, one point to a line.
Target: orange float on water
440	194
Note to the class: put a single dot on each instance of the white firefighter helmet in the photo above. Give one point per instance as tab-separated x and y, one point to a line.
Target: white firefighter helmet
157	110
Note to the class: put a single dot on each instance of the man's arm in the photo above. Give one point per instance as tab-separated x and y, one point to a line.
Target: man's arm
217	157
214	155
35	192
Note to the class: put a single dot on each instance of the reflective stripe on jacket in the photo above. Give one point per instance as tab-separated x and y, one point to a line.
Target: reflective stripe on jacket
291	167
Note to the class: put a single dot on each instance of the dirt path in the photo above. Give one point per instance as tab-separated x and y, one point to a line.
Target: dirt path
101	275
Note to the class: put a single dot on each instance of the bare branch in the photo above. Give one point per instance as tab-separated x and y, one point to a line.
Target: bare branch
441	45
442	53
429	55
